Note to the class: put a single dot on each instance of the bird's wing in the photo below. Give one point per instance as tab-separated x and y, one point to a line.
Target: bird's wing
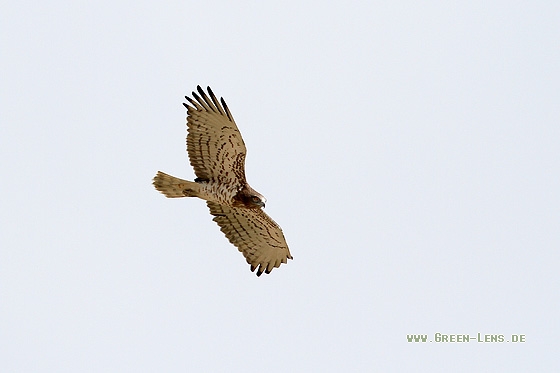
214	143
255	234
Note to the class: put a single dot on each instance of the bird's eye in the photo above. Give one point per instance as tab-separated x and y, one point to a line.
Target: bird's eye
255	199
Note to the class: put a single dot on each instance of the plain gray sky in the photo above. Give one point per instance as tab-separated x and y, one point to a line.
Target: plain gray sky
409	150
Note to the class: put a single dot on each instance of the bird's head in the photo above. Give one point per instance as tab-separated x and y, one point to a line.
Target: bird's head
250	198
256	201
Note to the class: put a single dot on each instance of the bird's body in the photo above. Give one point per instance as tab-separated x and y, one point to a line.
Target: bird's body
217	153
173	187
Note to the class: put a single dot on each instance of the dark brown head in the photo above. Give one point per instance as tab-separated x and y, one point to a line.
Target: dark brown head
249	198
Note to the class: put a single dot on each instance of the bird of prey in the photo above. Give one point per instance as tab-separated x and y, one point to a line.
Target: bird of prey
217	154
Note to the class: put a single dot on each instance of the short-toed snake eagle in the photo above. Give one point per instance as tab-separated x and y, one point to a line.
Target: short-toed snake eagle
217	154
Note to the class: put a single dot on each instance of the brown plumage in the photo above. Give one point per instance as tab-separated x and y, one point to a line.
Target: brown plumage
217	154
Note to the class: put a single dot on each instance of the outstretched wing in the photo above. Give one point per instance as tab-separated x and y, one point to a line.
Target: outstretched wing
214	143
255	234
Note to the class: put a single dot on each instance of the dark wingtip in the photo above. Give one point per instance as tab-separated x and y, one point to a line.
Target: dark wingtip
193	102
259	269
224	105
185	105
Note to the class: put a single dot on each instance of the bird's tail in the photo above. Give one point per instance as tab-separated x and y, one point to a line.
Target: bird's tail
173	187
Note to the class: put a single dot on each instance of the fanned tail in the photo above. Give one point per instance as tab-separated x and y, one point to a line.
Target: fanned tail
173	187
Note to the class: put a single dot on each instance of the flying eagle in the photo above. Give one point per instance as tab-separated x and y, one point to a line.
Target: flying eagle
217	154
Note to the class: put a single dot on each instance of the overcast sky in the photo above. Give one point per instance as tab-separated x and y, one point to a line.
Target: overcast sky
410	150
